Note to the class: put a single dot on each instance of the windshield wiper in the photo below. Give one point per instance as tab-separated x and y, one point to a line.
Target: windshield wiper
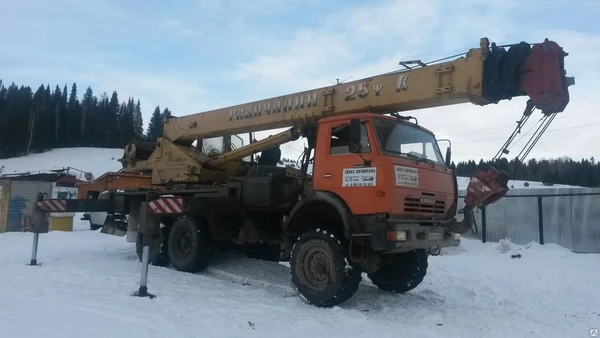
418	158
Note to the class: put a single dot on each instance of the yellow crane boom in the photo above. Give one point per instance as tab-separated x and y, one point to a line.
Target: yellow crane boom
484	75
453	82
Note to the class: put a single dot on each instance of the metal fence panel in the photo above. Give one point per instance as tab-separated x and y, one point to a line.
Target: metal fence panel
556	213
514	218
585	218
570	217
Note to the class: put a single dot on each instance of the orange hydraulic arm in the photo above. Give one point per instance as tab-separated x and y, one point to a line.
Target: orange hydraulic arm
484	75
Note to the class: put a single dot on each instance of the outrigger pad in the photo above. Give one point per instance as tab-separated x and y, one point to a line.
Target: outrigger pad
486	187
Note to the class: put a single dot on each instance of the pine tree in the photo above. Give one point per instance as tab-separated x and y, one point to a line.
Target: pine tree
41	137
72	129
127	125
3	117
167	113
56	110
88	103
138	122
101	131
155	125
113	120
64	116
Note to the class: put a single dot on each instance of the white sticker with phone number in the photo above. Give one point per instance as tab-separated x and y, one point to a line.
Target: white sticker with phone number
407	176
359	177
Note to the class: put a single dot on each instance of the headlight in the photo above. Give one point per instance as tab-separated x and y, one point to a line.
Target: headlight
457	237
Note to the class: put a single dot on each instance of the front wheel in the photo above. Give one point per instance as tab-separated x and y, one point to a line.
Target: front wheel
189	245
402	272
320	269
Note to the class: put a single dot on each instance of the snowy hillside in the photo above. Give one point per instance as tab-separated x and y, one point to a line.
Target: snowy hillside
94	160
83	287
100	160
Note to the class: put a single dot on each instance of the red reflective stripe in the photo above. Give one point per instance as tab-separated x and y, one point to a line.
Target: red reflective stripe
167	205
163	206
176	204
59	205
53	205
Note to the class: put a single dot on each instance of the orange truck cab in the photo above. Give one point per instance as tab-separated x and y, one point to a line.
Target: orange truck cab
391	175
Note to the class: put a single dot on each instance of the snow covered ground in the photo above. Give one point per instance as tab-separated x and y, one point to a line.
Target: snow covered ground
83	287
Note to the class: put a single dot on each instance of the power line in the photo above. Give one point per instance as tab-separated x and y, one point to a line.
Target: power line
513	126
547	131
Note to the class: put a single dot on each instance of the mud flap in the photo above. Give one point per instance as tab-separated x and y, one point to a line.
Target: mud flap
111	228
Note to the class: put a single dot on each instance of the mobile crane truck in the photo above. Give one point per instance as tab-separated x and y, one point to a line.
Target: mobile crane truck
381	196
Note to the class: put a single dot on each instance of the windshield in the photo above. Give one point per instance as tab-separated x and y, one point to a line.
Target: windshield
400	139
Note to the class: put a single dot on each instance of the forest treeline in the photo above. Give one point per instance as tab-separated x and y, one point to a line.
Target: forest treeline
40	120
563	170
35	121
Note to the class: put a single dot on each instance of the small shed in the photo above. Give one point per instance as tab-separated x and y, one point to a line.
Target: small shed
18	193
113	181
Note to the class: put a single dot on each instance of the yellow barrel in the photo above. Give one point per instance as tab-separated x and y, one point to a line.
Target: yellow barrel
61	223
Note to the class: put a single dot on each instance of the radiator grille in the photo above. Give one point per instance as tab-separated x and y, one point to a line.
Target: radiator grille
424	205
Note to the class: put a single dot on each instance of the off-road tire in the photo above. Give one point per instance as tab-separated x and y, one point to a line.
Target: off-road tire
189	245
402	272
158	252
318	249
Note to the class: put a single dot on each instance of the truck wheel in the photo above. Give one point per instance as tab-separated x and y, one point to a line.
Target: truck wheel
189	245
402	272
320	269
158	254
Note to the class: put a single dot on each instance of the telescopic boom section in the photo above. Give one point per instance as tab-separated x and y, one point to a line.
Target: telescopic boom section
484	75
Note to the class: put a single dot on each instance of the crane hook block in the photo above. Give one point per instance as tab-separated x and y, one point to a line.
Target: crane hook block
486	187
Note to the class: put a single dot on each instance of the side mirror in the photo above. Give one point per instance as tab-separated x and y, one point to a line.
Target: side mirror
448	159
354	136
448	155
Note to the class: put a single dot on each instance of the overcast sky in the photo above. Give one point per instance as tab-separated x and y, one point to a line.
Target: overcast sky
193	55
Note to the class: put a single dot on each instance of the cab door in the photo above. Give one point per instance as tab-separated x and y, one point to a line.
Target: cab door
343	173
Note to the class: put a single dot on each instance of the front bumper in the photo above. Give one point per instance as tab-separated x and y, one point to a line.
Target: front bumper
387	237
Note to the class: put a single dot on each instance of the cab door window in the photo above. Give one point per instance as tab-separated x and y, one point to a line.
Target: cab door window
339	139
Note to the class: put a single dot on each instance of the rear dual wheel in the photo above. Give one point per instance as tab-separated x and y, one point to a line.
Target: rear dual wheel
189	245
